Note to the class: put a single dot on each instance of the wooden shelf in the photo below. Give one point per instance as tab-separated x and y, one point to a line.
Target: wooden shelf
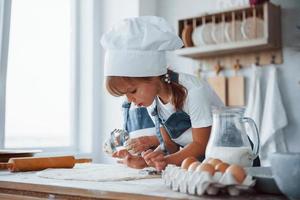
269	42
227	48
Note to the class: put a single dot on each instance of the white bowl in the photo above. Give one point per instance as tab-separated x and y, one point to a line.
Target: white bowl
286	171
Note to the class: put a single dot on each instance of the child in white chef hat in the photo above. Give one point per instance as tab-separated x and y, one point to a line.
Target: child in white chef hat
180	104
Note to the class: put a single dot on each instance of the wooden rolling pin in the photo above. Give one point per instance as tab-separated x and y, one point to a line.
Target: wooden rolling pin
24	164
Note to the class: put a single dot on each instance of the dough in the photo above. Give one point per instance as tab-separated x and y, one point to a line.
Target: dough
97	172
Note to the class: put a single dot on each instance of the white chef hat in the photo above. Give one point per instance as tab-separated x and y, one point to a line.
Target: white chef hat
136	47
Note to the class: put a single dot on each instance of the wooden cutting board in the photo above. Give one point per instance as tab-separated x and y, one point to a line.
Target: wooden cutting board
187	35
236	91
218	83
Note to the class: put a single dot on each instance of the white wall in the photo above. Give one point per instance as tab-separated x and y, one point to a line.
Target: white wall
4	38
111	116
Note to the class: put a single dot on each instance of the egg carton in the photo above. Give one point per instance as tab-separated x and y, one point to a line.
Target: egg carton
199	183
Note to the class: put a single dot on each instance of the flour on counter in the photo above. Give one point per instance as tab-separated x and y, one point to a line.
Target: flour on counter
96	172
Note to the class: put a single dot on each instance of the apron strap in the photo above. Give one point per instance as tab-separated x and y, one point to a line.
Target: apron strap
174	77
157	128
126	107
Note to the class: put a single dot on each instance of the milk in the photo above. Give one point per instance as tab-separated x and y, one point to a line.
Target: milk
232	155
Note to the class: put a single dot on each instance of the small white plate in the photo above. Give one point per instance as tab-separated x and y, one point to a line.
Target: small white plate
248	27
218	34
207	34
197	36
238	31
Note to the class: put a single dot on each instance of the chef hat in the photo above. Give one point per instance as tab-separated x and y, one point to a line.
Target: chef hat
136	47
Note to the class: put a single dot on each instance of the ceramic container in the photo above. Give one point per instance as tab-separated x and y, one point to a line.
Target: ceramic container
286	171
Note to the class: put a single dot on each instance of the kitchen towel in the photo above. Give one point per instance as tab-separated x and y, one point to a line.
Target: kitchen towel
254	104
274	119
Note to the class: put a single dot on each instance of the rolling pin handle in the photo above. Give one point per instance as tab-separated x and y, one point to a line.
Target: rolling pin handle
6	165
83	160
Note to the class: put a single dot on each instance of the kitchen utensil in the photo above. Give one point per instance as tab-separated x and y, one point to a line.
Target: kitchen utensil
218	34
206	34
186	35
24	164
150	171
197	36
117	139
228	139
218	83
236	93
252	28
237	34
286	170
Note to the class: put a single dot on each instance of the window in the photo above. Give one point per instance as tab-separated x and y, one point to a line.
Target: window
39	82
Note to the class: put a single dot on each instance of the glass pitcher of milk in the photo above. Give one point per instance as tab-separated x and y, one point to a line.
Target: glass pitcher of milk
229	140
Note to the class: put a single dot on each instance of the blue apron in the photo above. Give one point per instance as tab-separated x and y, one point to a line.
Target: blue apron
175	125
135	119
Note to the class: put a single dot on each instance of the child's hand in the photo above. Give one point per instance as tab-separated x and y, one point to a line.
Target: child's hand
130	160
155	159
120	154
140	144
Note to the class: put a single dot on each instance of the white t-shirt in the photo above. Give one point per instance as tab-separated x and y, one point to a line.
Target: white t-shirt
198	105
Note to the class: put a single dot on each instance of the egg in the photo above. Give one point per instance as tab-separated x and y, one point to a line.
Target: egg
206	160
193	166
205	167
214	161
187	161
237	172
221	167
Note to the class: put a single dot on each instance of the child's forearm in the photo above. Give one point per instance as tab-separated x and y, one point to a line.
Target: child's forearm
171	147
193	149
